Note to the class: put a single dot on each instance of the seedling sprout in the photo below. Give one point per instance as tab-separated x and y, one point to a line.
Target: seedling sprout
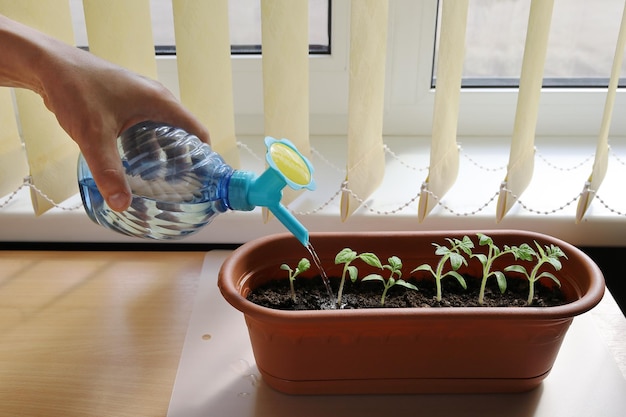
523	252
548	254
303	265
453	254
395	268
345	257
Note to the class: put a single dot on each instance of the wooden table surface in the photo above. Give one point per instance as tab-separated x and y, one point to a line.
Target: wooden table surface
92	333
101	333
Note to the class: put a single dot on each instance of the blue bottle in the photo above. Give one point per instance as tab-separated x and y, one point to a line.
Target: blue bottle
179	184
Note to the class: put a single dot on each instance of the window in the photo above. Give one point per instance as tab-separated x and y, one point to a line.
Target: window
580	50
245	25
569	121
485	111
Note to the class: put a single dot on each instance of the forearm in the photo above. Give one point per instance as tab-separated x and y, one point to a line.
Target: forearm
93	100
22	55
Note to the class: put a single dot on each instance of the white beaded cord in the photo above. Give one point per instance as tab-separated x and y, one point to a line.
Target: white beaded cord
344	188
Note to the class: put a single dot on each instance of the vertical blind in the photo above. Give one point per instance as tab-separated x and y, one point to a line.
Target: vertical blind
521	159
444	155
51	155
120	31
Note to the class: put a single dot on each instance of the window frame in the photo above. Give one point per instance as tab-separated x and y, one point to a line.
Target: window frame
409	97
570	116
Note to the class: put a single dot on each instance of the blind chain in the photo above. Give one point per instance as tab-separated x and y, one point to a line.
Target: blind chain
546	212
612	210
241	145
572	168
478	165
456	213
11	196
29	183
402	162
319	155
345	189
617	157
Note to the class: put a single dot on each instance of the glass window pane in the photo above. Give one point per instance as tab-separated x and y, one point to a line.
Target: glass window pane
581	46
245	25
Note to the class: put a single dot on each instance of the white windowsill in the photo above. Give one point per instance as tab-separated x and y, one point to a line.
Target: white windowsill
397	194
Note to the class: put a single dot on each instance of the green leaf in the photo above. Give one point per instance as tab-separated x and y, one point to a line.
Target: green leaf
516	268
424	267
441	250
285	267
353	272
406	284
540	250
458	277
395	263
373	277
304	265
549	275
481	257
501	280
555	262
484	239
456	260
371	259
345	256
524	252
466	245
555	251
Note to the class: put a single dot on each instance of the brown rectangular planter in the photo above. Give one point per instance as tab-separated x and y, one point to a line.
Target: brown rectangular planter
412	350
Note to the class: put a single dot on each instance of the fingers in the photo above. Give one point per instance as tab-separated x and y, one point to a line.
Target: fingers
108	173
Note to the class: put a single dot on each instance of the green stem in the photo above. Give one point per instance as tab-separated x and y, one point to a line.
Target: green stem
293	291
531	283
483	284
438	278
531	292
481	294
341	284
486	268
382	299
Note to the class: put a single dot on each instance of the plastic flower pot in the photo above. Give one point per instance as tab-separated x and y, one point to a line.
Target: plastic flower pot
406	350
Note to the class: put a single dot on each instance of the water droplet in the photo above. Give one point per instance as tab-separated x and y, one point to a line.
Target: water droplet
253	379
241	367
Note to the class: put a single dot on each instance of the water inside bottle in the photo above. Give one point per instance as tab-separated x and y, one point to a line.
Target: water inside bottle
147	217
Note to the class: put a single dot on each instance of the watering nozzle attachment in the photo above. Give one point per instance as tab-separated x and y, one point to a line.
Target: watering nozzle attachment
287	166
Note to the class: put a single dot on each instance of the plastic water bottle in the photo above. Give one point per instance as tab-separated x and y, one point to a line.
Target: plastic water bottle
179	184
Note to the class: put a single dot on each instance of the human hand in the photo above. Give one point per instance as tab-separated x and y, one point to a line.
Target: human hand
94	101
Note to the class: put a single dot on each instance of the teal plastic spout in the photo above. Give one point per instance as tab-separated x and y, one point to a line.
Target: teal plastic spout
287	166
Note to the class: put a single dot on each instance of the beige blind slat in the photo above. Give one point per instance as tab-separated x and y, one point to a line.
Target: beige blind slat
366	155
13	164
522	154
204	70
51	153
444	153
120	31
601	162
285	39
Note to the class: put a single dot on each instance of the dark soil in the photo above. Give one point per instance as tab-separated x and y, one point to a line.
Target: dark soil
311	294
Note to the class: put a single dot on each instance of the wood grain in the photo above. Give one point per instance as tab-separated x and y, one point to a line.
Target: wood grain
92	333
